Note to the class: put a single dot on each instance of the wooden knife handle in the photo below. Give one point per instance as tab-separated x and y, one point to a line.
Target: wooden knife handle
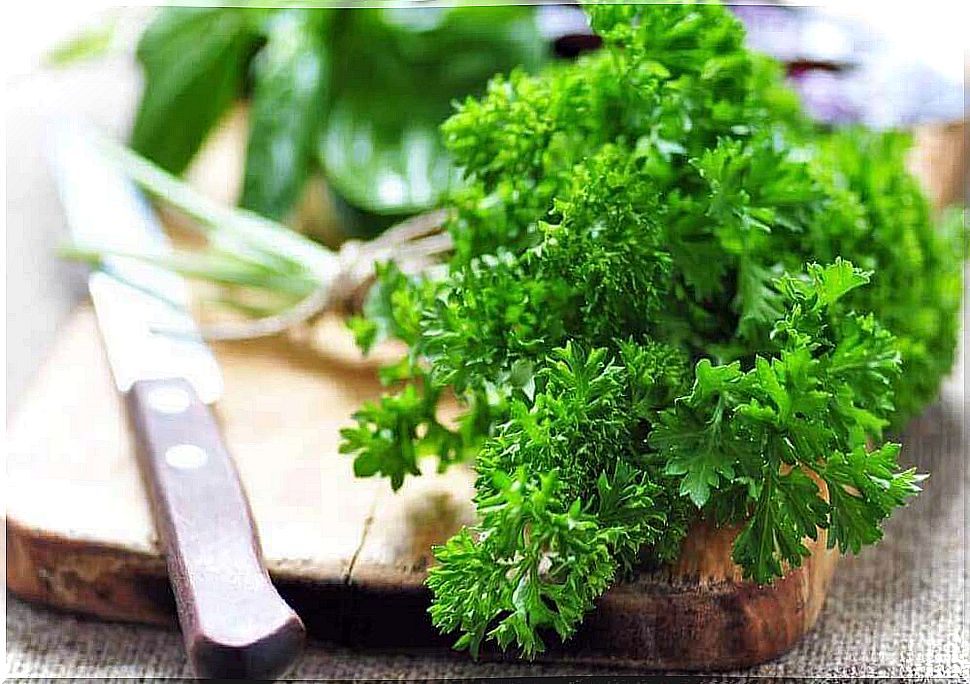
234	623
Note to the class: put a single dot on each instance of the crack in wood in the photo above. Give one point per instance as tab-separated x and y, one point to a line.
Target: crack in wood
368	521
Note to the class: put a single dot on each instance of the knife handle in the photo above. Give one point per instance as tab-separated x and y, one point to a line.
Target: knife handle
234	622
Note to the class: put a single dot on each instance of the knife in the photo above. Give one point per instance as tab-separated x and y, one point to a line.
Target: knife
234	623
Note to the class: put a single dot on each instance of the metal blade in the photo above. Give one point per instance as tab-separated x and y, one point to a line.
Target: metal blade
142	309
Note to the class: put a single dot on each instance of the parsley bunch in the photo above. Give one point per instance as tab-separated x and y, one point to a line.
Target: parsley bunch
640	333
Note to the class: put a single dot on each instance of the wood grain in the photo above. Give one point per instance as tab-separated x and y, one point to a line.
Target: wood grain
348	554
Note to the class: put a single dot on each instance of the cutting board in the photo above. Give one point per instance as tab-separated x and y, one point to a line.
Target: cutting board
349	554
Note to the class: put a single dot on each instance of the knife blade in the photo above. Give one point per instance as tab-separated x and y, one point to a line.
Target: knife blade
234	623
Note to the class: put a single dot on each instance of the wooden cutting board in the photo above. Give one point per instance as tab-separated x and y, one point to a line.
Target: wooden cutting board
349	554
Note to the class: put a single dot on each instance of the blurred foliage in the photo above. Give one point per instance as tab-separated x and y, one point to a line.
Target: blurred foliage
357	94
88	43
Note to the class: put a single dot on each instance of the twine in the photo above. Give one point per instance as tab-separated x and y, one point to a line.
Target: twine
413	245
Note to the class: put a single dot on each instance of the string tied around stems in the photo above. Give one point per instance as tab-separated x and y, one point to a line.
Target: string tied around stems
414	245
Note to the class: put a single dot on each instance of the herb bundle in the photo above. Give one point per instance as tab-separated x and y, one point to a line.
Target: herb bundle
671	297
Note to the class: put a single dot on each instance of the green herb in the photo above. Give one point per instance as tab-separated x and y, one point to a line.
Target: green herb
396	74
638	326
260	266
291	78
195	61
357	94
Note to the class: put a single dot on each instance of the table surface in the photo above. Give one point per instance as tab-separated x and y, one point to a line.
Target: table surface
897	610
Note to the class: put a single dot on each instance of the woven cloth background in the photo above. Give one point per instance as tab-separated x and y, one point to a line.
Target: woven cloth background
897	610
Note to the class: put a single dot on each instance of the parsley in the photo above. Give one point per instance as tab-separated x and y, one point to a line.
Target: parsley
671	297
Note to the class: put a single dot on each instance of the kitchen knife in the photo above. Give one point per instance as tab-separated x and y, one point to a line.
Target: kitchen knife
234	623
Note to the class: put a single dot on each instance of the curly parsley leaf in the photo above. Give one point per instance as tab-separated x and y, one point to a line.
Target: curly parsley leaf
548	544
827	388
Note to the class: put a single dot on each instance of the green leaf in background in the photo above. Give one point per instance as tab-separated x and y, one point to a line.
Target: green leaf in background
194	60
358	93
291	81
89	43
396	74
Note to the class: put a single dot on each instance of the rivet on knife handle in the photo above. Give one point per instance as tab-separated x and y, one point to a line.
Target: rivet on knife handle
234	623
